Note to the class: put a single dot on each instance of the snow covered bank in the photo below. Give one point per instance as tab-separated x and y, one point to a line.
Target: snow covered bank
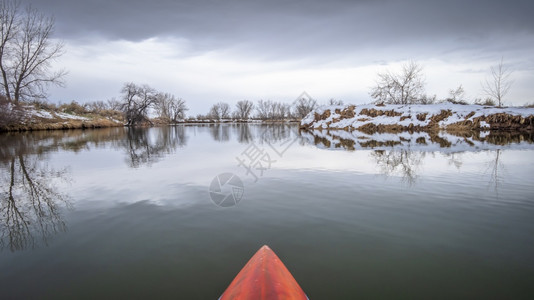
394	118
27	117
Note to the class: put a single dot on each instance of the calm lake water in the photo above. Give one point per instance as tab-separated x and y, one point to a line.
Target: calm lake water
118	213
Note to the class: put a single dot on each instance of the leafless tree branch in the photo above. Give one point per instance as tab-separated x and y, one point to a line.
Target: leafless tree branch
406	87
499	83
27	52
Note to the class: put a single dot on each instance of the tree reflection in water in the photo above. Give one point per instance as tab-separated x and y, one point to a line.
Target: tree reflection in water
31	203
455	160
244	134
402	153
404	163
274	133
146	146
220	132
495	169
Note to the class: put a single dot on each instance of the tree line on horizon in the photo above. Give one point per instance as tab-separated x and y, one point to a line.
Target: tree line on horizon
261	110
137	102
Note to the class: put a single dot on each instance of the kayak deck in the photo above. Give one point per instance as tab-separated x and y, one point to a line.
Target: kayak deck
264	277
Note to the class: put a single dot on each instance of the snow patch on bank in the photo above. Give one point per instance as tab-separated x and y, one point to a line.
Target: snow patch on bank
71	117
40	113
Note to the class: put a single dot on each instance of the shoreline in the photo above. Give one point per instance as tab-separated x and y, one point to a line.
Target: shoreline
105	123
371	118
70	125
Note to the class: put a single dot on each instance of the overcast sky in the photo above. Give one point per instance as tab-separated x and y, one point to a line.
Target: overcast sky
206	51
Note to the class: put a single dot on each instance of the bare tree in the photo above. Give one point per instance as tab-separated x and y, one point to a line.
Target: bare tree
219	111
136	102
263	109
499	84
225	110
8	29
273	110
178	109
114	104
169	107
244	109
284	111
406	87
27	52
304	106
280	111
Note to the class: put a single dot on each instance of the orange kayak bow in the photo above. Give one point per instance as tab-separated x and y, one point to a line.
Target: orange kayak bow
264	277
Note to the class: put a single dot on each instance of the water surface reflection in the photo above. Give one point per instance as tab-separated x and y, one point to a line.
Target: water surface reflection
31	204
420	141
402	154
145	146
440	209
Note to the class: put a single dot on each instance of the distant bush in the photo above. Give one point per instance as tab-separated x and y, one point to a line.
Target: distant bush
110	113
333	101
99	108
104	109
426	99
529	105
461	102
457	96
42	104
485	102
74	108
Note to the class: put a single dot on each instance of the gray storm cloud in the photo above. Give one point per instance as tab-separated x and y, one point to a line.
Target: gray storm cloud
292	27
